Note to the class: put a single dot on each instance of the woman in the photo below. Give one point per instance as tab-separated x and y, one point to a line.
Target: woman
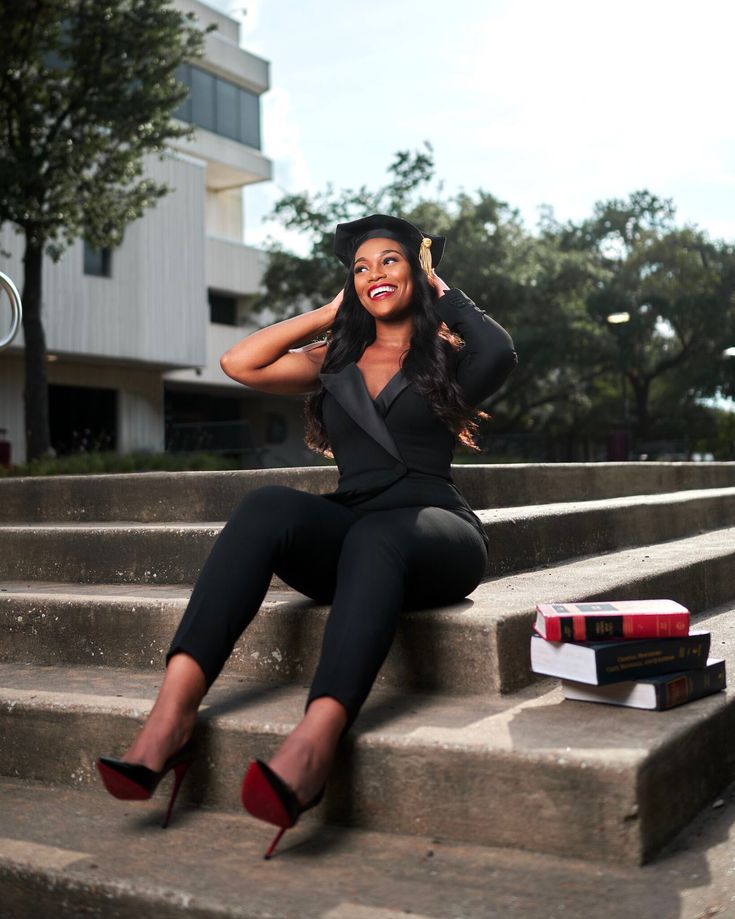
392	391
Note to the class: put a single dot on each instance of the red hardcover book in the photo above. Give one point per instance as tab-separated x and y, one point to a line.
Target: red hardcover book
611	620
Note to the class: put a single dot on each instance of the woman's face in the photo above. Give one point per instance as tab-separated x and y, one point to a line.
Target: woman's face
383	278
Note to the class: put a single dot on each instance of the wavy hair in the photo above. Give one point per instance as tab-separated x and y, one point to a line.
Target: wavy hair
429	364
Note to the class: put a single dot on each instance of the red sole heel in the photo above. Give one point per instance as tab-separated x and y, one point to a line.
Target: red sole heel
121	787
180	773
136	782
266	796
261	801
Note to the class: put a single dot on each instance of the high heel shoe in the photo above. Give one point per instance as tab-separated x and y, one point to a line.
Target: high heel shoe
266	796
134	782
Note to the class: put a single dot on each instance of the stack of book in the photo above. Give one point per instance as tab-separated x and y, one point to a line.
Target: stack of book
639	653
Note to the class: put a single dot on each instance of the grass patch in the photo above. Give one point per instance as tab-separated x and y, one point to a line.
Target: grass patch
100	463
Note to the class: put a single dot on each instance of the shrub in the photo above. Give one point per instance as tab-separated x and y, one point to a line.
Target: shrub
97	463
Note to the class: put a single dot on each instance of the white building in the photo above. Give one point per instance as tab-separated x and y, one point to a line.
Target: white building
135	335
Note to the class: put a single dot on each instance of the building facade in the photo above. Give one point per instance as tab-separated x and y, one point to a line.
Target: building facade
134	335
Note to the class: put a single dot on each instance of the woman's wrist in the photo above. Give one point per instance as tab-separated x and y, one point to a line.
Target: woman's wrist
327	315
440	286
329	311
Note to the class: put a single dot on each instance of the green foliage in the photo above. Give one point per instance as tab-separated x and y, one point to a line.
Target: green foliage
532	287
723	443
87	88
677	287
100	463
293	283
554	290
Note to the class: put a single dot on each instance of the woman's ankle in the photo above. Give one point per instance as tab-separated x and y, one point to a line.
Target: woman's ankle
172	719
303	777
304	761
159	739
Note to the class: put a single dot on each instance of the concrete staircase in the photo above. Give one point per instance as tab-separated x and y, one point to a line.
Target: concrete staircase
458	742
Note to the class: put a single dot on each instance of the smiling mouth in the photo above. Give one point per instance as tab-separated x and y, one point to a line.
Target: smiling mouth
379	293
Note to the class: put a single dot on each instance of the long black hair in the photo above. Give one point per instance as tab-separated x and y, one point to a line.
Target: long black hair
429	364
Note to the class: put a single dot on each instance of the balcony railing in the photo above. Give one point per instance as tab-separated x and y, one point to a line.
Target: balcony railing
226	438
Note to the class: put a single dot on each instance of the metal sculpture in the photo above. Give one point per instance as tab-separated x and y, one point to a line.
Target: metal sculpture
16	307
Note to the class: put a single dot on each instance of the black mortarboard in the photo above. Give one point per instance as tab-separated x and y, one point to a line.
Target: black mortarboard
349	236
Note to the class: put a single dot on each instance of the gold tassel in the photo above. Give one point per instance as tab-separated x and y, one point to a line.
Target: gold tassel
425	256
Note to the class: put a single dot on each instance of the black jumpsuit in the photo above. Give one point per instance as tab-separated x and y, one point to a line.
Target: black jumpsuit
396	533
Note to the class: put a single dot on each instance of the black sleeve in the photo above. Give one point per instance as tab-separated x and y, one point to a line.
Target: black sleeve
487	357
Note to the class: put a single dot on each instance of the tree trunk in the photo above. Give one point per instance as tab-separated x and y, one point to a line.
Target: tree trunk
38	435
641	389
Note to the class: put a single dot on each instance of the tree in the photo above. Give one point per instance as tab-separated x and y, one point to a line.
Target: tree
553	290
292	283
87	89
676	286
535	290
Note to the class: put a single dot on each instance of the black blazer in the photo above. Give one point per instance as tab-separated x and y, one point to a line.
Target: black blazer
397	436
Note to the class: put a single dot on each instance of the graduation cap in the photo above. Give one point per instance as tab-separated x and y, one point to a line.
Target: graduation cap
348	237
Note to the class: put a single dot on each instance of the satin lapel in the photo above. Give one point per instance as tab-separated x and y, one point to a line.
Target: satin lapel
348	388
390	392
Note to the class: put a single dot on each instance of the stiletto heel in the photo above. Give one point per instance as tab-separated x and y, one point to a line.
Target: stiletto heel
272	847
266	796
134	782
179	774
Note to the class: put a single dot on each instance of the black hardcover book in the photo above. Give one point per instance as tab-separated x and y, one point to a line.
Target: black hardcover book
612	661
654	692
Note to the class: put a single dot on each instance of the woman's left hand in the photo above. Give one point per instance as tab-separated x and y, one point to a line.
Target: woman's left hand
439	286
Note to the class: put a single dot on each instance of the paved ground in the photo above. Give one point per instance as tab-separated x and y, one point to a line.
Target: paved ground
67	853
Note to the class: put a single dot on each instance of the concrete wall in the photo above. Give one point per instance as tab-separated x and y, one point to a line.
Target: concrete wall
140	423
229	163
233	267
219	338
152	316
224	214
154	307
11	404
222	51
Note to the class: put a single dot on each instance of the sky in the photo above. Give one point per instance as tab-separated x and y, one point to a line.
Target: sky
560	103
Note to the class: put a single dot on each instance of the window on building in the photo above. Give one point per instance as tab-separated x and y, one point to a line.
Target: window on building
222	308
228	115
219	106
203	110
183	75
97	262
250	119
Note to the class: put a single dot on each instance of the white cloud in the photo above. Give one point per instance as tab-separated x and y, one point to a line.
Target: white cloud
637	93
282	144
567	103
282	141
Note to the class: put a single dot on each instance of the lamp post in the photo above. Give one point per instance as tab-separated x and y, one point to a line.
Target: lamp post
618	321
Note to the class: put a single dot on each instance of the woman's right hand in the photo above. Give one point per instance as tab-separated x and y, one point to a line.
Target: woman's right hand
268	359
334	304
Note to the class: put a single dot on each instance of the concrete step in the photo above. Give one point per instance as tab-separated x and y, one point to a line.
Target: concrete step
203	496
531	772
477	646
520	538
66	854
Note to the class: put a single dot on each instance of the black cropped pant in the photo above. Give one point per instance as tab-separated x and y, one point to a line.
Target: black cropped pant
368	564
